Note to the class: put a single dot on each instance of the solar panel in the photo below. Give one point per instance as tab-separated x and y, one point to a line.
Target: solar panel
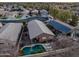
59	26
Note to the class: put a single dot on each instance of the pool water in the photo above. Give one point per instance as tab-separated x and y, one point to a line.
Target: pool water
33	50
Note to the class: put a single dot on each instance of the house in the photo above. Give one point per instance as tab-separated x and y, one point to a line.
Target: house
25	12
35	11
44	13
39	31
13	14
2	12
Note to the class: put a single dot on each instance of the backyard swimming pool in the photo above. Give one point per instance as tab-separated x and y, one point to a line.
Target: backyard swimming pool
33	50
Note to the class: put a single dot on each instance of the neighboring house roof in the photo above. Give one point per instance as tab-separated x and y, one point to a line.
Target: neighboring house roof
35	11
26	11
3	12
36	28
13	13
60	26
10	31
43	11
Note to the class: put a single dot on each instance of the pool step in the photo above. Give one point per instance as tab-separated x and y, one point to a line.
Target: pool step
48	47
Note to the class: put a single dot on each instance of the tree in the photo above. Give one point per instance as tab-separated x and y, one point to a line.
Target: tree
74	20
53	11
64	15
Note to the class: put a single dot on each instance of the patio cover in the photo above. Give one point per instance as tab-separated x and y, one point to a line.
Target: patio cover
36	28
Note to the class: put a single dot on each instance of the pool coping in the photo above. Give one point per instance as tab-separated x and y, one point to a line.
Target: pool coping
32	45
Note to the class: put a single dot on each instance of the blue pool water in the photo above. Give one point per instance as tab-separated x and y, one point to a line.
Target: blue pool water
35	49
